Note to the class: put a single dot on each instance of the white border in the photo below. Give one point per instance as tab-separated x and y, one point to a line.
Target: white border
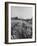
9	26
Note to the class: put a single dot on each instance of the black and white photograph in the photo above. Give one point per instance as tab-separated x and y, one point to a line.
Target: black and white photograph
20	23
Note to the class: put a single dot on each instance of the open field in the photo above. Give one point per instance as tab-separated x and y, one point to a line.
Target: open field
21	29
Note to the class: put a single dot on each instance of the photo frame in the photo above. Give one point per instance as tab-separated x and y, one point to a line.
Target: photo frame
20	22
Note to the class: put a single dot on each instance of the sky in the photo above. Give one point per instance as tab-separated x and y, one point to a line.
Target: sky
21	12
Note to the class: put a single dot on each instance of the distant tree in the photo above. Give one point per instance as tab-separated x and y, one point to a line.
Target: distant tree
16	17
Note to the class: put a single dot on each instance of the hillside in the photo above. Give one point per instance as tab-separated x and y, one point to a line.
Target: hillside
21	28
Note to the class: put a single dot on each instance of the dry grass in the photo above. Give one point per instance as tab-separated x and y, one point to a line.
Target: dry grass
21	29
